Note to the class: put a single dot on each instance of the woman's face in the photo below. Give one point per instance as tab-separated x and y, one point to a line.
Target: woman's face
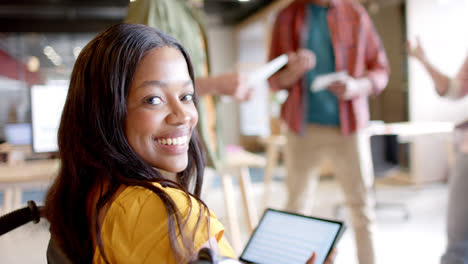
161	112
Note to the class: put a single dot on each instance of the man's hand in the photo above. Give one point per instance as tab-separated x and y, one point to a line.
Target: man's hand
299	63
330	259
350	87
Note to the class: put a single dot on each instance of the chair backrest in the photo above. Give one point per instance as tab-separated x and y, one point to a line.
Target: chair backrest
32	212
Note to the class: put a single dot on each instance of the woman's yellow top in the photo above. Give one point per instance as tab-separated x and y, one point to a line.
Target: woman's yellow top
135	227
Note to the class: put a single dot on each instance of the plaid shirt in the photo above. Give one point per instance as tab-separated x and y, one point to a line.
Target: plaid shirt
358	50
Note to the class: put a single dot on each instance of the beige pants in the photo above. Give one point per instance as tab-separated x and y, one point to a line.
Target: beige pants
303	157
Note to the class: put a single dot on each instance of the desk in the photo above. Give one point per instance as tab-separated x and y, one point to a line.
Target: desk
410	129
31	171
406	132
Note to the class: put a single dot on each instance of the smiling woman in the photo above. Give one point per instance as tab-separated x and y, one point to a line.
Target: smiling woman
132	164
131	161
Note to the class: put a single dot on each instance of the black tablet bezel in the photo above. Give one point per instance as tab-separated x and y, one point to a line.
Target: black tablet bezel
335	239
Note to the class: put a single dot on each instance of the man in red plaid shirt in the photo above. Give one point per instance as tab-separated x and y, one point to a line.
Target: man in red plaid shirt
322	37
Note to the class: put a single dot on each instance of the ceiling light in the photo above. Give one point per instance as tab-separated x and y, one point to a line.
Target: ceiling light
48	50
52	55
76	51
33	64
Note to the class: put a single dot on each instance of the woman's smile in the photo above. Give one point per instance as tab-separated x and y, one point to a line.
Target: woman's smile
174	143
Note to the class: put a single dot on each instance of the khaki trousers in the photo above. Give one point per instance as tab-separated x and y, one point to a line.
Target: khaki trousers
303	157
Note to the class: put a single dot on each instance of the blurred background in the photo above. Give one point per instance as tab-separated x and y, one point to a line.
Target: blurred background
41	39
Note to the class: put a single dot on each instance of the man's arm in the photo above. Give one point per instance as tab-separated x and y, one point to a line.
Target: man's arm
298	64
376	62
378	70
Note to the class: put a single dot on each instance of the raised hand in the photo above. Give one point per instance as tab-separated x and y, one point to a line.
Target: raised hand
417	52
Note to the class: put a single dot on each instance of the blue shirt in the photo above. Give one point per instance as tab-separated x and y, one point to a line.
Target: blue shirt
322	106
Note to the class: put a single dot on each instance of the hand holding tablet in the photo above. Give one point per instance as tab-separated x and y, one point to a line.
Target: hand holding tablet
283	237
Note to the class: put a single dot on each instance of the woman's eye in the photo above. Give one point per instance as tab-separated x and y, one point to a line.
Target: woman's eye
187	98
154	100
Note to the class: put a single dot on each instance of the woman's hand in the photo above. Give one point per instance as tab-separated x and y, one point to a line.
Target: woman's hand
417	52
330	259
233	84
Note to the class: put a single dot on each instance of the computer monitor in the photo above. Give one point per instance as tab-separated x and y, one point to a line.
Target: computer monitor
18	134
47	103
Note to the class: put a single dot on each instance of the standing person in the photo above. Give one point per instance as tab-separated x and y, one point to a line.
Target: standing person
183	20
320	37
457	213
128	189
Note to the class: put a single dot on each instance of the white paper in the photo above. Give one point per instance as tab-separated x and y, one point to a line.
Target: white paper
262	74
321	82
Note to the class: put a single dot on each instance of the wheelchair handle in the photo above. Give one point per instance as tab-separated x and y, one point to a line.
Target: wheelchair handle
20	217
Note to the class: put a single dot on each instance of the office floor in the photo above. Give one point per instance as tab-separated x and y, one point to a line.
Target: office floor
420	239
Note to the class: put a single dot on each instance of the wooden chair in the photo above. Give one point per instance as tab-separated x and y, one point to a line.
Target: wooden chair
274	144
237	163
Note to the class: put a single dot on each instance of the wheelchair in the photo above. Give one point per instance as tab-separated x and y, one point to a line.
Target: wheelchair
32	212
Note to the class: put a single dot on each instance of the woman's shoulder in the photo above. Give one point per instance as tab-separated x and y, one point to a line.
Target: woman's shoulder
140	206
141	197
137	222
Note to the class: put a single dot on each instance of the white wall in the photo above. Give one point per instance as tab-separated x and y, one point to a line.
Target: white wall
251	56
442	28
222	51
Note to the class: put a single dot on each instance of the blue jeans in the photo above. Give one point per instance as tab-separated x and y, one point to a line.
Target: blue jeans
457	216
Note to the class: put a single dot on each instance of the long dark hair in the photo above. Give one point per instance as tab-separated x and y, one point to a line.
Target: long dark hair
93	148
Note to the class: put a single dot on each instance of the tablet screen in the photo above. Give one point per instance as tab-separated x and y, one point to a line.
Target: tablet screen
283	237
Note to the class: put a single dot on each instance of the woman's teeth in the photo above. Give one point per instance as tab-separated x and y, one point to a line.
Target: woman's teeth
173	141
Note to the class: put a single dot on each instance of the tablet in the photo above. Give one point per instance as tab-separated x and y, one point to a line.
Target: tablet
283	237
